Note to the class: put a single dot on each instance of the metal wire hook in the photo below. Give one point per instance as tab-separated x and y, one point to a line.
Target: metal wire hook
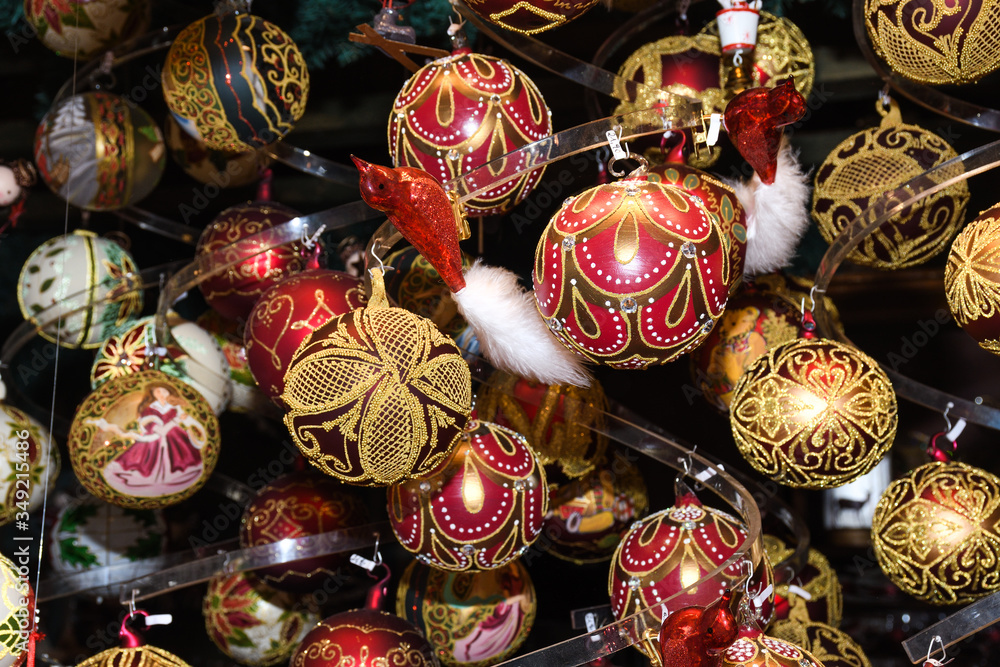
377	558
378	259
947	420
936	639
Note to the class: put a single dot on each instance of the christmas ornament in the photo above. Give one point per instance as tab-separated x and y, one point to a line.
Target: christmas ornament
29	464
78	289
500	313
481	510
675	548
813	413
562	423
287	313
82	30
191	355
935	43
722	204
862	168
465	110
781	52
828	645
144	441
246	397
471	619
363	638
377	395
972	279
414	284
632	273
253	624
16	177
297	505
695	636
99	151
235	81
812	595
529	17
17	606
135	656
90	534
588	516
755	649
935	533
757	319
233	292
224	169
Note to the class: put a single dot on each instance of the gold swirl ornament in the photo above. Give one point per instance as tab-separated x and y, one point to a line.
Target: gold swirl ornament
972	279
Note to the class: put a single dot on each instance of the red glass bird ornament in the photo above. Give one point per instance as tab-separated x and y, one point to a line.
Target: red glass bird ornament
753	119
697	636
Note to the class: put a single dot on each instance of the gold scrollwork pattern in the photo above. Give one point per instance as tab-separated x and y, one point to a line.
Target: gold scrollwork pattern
364	638
856	175
936	533
823	600
936	41
814	414
832	647
143	656
972	279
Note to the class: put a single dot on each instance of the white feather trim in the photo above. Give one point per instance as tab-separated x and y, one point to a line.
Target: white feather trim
777	214
511	333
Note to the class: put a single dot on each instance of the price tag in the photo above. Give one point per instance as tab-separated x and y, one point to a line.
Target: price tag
616	145
361	561
159	619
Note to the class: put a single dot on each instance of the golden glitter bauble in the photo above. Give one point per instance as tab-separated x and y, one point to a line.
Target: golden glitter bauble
933	41
755	649
378	395
814	413
782	52
829	645
936	533
557	420
813	594
142	656
972	279
862	168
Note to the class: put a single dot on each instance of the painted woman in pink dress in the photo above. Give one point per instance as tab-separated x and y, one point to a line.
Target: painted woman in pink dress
165	457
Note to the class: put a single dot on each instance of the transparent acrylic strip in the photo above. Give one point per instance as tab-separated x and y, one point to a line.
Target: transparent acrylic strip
963	623
961	168
312	164
926	96
157	224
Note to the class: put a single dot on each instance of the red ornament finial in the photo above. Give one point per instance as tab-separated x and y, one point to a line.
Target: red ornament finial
419	207
753	119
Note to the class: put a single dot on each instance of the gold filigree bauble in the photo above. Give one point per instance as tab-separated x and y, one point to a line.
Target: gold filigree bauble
858	173
529	17
936	533
378	395
755	649
782	52
559	421
936	41
142	656
972	279
829	645
814	594
813	413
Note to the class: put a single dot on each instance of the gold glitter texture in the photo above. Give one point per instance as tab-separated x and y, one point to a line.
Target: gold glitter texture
972	279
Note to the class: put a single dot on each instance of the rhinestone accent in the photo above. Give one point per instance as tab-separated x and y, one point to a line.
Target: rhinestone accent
629	305
555	325
568	242
689	250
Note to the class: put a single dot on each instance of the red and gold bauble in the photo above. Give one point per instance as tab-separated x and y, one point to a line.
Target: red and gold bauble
234	291
298	505
632	273
472	619
588	516
559	421
936	533
29	463
814	413
755	649
144	441
830	646
856	175
722	204
252	623
463	111
972	279
936	42
364	638
414	284
812	595
530	16
481	510
287	313
378	395
675	548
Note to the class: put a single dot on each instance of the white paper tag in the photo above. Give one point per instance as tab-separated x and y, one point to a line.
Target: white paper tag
714	126
591	621
764	595
956	430
159	619
616	145
707	473
361	561
801	592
